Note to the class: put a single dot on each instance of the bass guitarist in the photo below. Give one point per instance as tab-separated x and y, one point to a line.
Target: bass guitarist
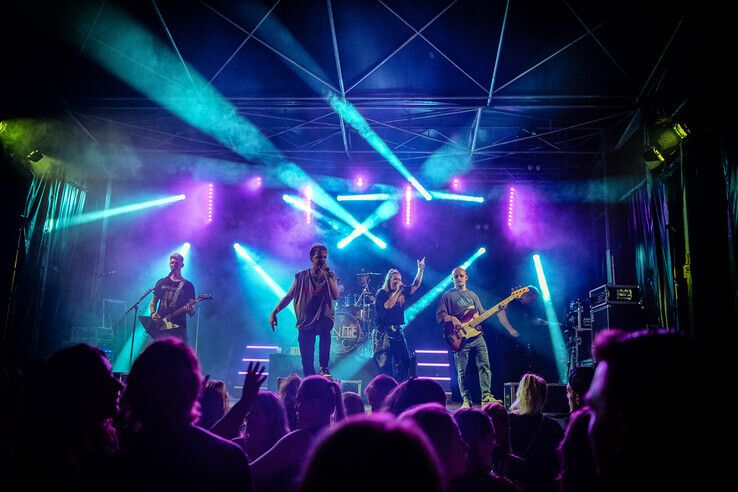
454	303
171	293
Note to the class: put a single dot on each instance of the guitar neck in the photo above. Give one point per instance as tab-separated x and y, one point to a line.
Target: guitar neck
181	310
483	317
493	310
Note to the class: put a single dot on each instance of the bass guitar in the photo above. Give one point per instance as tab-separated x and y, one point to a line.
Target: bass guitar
457	336
158	328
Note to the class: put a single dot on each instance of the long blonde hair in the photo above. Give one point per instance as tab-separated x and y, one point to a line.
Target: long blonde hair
385	285
531	395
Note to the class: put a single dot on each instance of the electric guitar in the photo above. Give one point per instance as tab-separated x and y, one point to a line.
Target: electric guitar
158	328
457	336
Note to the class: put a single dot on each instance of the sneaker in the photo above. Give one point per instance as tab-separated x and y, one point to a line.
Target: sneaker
466	403
490	399
325	373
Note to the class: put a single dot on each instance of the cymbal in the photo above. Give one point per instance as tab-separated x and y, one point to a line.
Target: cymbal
368	273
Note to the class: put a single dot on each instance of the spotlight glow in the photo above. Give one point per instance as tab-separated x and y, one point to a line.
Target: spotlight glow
352	116
408	200
210	203
510	203
456	184
368	198
101	214
308	192
275	288
440	195
185	249
557	340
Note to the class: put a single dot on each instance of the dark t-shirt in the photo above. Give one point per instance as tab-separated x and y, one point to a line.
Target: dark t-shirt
312	299
396	314
171	300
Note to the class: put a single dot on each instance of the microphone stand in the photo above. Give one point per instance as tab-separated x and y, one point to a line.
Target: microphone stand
134	307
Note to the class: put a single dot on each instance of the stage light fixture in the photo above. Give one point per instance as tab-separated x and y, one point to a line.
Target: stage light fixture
666	137
35	156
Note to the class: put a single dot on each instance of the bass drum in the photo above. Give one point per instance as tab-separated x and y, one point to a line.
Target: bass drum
346	334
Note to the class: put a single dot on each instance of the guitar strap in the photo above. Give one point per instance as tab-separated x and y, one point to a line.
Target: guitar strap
176	293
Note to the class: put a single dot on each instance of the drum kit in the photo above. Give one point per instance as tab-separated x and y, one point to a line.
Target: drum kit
354	316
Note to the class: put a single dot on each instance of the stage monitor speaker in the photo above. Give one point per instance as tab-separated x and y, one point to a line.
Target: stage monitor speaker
281	366
556	400
622	316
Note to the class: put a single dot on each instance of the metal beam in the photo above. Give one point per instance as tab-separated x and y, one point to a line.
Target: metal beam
340	75
271	48
499	50
256	28
386	59
561	50
434	47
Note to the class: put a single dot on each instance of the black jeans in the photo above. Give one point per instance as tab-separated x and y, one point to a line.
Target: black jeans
390	350
306	339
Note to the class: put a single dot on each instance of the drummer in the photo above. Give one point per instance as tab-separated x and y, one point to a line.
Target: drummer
390	347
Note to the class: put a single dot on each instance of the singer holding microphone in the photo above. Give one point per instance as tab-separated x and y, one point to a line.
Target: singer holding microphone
390	346
314	292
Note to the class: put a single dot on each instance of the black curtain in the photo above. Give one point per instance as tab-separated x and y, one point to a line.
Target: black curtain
43	295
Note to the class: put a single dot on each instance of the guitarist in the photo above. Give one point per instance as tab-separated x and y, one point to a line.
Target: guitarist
454	303
171	293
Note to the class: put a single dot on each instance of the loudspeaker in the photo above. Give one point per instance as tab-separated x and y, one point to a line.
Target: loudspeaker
622	316
556	401
280	366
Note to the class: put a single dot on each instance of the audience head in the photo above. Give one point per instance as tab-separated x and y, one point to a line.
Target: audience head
353	403
163	386
501	424
266	418
317	398
288	392
394	456
479	434
580	378
82	386
637	433
531	395
443	432
378	389
414	391
213	403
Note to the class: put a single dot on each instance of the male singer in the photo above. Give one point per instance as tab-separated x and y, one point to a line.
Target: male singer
314	292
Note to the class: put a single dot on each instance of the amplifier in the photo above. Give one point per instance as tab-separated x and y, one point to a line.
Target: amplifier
614	294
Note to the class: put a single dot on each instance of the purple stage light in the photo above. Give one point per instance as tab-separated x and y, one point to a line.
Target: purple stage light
456	184
210	202
360	183
510	207
408	199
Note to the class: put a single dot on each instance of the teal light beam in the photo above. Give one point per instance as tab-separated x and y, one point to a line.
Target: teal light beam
440	195
418	306
384	211
352	116
300	204
133	54
101	214
557	340
364	198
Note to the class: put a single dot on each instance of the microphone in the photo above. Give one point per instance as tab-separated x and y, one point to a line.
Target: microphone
106	274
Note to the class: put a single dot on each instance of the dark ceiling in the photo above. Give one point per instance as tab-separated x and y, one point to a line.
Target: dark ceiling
519	89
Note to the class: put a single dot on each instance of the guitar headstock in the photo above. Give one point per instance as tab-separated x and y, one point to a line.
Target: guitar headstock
204	297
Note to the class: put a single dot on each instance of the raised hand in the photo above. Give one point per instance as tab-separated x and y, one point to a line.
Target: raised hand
252	382
421	264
